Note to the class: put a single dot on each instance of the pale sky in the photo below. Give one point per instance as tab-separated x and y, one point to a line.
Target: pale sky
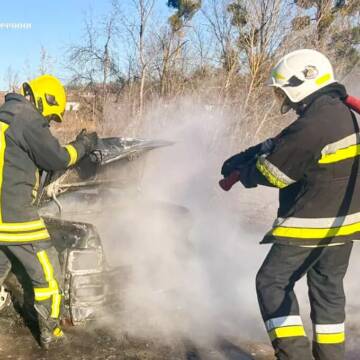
26	27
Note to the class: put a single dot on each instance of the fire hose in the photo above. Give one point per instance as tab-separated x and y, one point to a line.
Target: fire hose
353	103
228	182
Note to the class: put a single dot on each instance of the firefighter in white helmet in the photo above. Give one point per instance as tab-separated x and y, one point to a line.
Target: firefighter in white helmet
315	164
299	75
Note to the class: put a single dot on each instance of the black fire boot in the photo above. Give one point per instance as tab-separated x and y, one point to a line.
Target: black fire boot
50	331
50	335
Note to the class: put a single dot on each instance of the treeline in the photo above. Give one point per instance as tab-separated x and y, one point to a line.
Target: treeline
219	52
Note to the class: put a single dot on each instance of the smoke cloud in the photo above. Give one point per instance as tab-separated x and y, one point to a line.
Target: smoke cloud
193	249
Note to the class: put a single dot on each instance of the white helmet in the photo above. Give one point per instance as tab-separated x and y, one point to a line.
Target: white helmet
301	73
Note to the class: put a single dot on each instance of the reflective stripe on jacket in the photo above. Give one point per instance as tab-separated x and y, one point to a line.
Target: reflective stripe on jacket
315	164
26	146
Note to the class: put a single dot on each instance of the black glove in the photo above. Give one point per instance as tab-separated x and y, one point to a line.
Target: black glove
88	140
240	160
247	157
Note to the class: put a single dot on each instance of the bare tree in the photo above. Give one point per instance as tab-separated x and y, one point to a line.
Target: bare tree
219	20
224	55
46	61
137	30
167	46
220	24
12	79
259	38
93	63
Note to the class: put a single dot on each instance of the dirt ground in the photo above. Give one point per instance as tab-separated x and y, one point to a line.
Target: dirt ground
92	342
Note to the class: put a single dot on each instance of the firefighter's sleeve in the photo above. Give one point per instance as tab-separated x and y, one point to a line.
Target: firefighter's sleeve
295	150
250	177
46	151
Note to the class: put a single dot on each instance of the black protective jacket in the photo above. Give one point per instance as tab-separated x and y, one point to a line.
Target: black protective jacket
26	146
315	163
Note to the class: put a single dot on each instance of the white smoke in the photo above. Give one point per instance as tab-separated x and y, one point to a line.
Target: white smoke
193	270
193	273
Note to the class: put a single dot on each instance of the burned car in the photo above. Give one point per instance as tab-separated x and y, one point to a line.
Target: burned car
88	280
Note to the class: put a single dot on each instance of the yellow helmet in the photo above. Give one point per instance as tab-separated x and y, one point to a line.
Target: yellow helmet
48	95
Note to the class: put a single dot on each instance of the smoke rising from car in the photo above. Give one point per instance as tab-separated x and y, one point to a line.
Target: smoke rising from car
192	248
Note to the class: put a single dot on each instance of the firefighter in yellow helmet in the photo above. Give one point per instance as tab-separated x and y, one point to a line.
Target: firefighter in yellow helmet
26	148
48	95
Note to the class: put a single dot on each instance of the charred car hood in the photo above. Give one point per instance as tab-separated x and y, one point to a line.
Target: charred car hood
110	164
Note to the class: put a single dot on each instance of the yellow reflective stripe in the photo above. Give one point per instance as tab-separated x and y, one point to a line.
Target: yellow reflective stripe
309	233
58	332
278	76
55	306
330	338
323	79
41	297
343	143
25	237
342	154
46	265
269	176
73	154
53	285
44	291
3	128
42	294
23	226
287	331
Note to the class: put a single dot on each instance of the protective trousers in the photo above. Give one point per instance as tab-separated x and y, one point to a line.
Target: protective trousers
325	268
41	264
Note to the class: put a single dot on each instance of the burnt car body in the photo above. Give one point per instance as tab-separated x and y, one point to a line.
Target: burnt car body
88	281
